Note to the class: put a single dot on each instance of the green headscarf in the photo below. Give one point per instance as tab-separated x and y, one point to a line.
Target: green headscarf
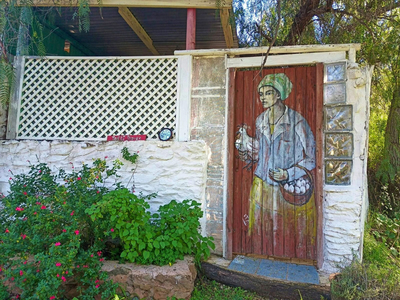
279	81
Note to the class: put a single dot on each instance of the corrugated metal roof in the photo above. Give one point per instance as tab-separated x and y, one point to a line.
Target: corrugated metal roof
110	35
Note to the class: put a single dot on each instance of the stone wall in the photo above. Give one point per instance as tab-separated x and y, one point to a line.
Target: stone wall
173	170
208	124
345	207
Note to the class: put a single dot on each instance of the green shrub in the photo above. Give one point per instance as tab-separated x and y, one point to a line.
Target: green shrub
58	226
366	281
48	237
159	238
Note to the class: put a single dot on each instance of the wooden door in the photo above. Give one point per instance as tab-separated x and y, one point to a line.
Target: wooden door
274	185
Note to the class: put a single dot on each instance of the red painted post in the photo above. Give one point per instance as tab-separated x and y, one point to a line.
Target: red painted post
191	29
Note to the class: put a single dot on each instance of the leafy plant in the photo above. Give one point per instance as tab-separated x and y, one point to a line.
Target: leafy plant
48	238
159	238
387	231
129	157
366	281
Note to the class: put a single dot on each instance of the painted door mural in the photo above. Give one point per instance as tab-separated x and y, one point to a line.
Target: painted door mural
274	211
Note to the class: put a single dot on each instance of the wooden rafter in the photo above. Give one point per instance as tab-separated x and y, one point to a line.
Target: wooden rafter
137	28
206	4
226	26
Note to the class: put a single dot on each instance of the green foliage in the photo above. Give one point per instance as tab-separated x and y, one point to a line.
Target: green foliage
129	157
375	252
159	238
366	281
7	79
386	231
48	237
207	289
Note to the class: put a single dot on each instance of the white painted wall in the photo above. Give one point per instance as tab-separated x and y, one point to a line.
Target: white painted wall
345	207
173	170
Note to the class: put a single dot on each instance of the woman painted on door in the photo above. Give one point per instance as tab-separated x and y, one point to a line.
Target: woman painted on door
284	150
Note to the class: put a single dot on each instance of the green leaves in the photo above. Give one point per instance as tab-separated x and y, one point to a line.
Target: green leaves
159	238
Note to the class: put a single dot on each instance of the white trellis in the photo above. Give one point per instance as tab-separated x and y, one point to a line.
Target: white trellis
91	98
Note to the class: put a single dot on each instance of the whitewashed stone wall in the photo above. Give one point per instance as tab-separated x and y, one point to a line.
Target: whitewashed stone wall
345	207
173	170
207	124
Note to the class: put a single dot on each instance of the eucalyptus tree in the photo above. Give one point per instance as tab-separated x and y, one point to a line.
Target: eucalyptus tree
374	23
21	33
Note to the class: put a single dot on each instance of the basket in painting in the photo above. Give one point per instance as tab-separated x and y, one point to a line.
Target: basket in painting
300	198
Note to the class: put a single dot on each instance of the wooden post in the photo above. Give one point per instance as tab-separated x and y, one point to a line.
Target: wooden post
191	29
14	106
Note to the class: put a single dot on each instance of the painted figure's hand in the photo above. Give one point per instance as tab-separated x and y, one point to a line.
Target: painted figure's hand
278	174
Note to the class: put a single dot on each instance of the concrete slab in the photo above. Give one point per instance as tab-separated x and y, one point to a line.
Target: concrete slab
273	269
245	264
302	273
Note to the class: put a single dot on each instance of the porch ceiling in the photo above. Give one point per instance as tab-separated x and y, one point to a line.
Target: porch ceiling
110	34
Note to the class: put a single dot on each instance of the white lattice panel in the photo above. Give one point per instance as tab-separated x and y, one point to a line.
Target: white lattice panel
81	99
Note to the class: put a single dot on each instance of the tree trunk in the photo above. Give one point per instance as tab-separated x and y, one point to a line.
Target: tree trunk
390	165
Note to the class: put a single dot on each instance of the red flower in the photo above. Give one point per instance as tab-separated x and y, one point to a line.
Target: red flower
43	207
97	286
35	213
91	255
7	231
52	297
64	230
101	259
40	171
72	213
25	193
19	209
21	272
63	278
58	275
99	253
38	203
112	229
76	232
23	236
98	192
66	272
58	264
57	244
78	178
37	271
25	262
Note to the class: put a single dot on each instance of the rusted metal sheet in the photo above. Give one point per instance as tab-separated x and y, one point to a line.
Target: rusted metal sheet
269	219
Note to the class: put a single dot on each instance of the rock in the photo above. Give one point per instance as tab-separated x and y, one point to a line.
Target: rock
154	282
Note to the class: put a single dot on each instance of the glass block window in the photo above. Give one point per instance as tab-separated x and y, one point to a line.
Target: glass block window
335	93
339	145
338	141
339	118
338	172
335	72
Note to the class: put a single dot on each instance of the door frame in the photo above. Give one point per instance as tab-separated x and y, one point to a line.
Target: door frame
232	64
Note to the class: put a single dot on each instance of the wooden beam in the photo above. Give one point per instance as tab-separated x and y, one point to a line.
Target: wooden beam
226	26
191	29
286	60
265	286
274	50
137	28
201	4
